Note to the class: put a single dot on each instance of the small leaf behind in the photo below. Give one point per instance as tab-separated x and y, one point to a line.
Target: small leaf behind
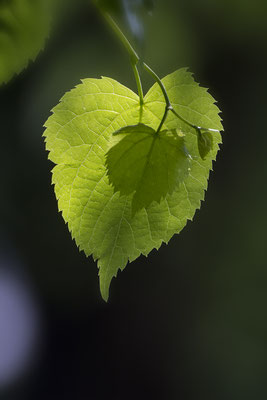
205	143
147	163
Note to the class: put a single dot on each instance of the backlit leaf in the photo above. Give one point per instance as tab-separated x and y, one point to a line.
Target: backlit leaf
80	133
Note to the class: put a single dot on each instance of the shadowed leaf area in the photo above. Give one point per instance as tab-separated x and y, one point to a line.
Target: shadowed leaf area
205	143
148	163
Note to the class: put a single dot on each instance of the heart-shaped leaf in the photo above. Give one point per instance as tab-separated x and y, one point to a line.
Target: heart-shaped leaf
78	136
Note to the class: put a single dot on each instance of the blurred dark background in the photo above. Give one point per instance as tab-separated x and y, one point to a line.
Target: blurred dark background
189	321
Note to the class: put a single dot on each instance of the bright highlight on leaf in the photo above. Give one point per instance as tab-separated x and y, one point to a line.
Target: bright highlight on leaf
205	143
23	29
148	163
78	136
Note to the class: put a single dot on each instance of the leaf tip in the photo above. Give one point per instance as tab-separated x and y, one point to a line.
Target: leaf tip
104	283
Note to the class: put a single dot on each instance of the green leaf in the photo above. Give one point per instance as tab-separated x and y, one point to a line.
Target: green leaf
148	163
24	26
205	143
79	134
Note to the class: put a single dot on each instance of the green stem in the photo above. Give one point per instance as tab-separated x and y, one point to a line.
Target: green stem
185	121
134	58
139	83
163	119
165	94
159	81
197	128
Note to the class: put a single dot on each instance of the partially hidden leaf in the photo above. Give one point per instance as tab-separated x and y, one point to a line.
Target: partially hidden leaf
79	133
205	143
148	163
24	26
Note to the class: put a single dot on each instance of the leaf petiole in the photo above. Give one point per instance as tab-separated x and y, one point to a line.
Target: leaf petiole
134	58
159	81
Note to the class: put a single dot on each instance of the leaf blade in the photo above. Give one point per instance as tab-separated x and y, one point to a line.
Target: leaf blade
100	220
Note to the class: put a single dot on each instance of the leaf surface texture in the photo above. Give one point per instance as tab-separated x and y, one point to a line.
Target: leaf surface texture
79	134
